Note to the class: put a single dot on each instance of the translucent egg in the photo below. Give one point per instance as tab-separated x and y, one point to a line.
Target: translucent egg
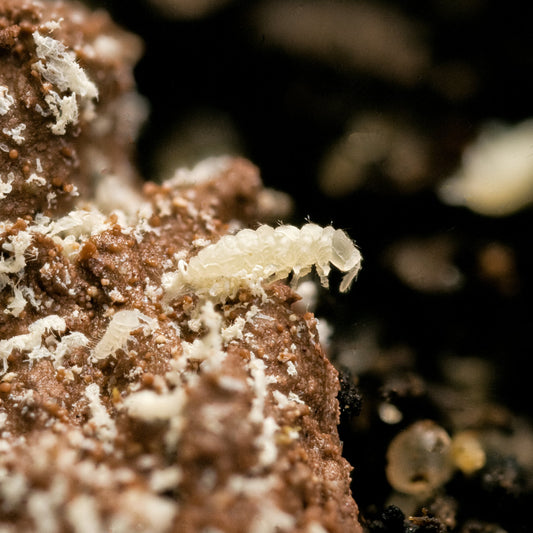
419	458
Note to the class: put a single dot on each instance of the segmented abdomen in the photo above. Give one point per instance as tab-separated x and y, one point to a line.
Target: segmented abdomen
251	257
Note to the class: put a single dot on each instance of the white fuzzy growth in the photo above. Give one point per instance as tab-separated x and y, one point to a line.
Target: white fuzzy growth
6	100
5	185
64	109
250	258
103	423
265	441
68	231
73	340
118	332
15	133
142	511
76	226
17	303
17	246
31	341
270	518
37	179
58	66
207	349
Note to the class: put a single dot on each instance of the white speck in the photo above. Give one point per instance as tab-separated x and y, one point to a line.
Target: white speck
291	369
38	179
5	186
15	133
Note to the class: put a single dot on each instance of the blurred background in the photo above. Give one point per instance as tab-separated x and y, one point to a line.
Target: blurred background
408	124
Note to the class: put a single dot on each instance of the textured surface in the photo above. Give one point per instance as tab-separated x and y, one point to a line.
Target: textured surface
69	113
122	409
216	416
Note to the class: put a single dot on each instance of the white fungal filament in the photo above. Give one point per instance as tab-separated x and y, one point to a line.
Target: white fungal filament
251	257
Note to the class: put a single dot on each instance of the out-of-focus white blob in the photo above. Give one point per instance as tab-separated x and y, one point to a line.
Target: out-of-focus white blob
116	193
308	290
389	413
274	205
325	332
201	172
373	139
188	9
425	264
348	35
496	175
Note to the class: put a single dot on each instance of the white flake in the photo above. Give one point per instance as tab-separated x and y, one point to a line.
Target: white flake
104	425
58	66
15	133
13	488
265	439
38	179
76	339
208	349
291	369
143	511
5	185
165	479
64	109
148	405
17	246
32	341
17	303
6	100
234	331
52	25
283	400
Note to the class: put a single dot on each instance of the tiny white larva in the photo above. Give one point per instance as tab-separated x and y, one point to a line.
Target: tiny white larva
118	332
251	257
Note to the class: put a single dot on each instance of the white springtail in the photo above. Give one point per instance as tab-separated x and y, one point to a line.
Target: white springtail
118	332
251	257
